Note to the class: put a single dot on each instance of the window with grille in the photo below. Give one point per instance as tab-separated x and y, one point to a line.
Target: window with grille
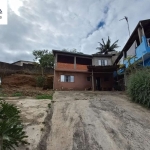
66	78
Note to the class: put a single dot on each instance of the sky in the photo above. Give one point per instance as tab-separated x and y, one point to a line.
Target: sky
66	24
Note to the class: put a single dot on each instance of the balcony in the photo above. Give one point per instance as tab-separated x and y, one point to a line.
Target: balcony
142	52
71	67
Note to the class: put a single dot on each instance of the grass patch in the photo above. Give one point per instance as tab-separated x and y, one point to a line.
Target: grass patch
17	94
3	95
44	96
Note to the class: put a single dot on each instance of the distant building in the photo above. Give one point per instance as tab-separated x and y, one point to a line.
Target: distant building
21	62
138	45
74	71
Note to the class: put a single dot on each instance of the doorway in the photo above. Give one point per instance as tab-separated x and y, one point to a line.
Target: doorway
98	83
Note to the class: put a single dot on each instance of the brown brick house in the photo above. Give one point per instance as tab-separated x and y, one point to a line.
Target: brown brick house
74	71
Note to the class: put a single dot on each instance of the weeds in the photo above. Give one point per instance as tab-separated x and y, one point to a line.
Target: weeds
11	127
138	87
40	81
3	95
17	94
49	105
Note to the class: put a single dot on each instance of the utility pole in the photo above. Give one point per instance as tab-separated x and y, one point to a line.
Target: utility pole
126	18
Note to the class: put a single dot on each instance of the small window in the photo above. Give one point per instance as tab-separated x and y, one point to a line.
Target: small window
106	79
99	62
102	62
66	78
88	78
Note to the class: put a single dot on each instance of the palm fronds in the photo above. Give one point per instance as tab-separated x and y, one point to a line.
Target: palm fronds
107	47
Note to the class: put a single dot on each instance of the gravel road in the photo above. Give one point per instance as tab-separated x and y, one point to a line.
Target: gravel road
95	121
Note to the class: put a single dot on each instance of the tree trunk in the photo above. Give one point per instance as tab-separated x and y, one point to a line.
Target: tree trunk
42	71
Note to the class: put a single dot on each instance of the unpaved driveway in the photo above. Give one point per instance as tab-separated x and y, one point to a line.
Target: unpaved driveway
96	121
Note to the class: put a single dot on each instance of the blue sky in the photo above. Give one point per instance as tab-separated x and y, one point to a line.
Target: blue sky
69	24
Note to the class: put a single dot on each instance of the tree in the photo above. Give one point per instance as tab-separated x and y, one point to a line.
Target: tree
107	47
45	58
11	127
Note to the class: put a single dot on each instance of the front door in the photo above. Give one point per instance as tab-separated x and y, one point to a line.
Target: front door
98	86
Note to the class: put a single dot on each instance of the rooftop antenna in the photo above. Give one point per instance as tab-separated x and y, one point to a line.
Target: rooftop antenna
126	18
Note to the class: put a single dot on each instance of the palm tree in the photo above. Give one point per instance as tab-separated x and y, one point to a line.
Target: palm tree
107	47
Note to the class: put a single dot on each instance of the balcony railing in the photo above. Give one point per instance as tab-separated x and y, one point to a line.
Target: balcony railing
66	66
81	67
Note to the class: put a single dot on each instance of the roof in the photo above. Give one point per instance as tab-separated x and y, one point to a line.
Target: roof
70	53
102	55
103	68
79	54
22	61
146	25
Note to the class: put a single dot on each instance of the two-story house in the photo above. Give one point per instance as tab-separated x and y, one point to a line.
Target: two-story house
137	46
74	71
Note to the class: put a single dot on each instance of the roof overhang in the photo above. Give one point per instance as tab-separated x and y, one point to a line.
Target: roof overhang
70	53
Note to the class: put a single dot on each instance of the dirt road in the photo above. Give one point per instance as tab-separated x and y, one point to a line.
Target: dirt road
95	121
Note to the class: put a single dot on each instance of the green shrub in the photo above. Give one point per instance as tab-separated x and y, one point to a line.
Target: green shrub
40	81
138	87
44	96
11	127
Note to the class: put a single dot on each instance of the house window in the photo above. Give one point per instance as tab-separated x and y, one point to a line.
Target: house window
88	78
102	62
66	78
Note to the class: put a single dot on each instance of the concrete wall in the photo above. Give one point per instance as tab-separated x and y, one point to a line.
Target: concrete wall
80	81
21	63
6	68
95	60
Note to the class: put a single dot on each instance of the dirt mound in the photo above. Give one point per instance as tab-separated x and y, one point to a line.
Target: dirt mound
16	80
25	85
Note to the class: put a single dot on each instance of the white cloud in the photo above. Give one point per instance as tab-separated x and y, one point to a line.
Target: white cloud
51	24
15	5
